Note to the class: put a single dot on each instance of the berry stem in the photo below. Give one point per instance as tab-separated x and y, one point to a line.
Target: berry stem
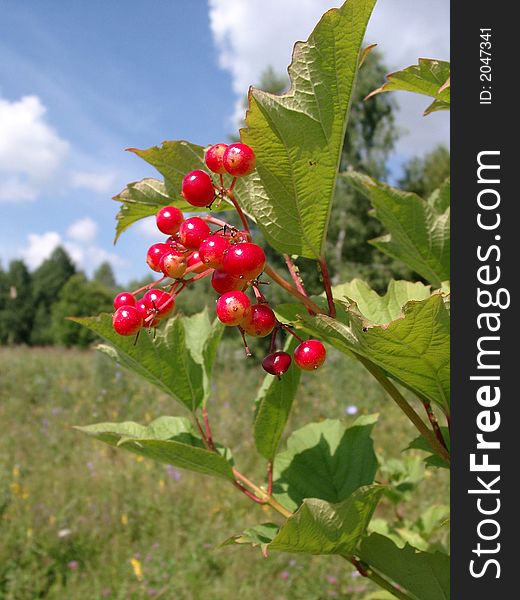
246	347
242	216
296	278
289	330
273	338
148	286
215	221
260	298
326	284
233	183
292	290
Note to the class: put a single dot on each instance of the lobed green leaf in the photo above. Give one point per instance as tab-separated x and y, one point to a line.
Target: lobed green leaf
325	460
298	136
426	575
170	440
429	77
321	527
419	231
376	309
174	359
413	349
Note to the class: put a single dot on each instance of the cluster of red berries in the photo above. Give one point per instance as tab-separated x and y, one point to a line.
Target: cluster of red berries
227	254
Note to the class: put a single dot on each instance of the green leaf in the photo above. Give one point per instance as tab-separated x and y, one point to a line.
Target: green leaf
433	460
144	198
170	440
139	199
414	350
439	199
376	309
320	527
174	360
257	536
273	405
326	460
418	234
298	136
425	575
430	77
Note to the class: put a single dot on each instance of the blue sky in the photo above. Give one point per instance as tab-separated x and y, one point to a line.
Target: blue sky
81	81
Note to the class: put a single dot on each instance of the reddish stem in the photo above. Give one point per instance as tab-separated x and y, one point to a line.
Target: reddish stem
246	347
270	478
327	285
249	494
289	330
215	221
231	196
209	436
148	286
292	290
434	423
295	275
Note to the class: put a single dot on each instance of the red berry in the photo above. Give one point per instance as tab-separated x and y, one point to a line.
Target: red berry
192	232
127	320
245	260
174	242
259	320
212	249
223	282
169	220
154	255
277	363
159	301
145	310
197	188
173	264
231	307
193	260
214	157
239	160
124	299
310	355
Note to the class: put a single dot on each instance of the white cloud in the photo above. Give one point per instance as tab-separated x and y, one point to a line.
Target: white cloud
39	247
35	159
31	152
83	230
253	34
79	242
101	183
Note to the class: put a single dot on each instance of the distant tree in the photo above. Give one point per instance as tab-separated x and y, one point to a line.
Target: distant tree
78	298
104	275
423	175
48	280
16	315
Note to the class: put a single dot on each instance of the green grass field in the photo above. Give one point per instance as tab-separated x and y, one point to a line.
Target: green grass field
80	520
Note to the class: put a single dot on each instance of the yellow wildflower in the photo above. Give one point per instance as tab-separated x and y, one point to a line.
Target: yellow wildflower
136	566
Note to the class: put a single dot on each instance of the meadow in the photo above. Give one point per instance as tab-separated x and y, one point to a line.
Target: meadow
82	521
